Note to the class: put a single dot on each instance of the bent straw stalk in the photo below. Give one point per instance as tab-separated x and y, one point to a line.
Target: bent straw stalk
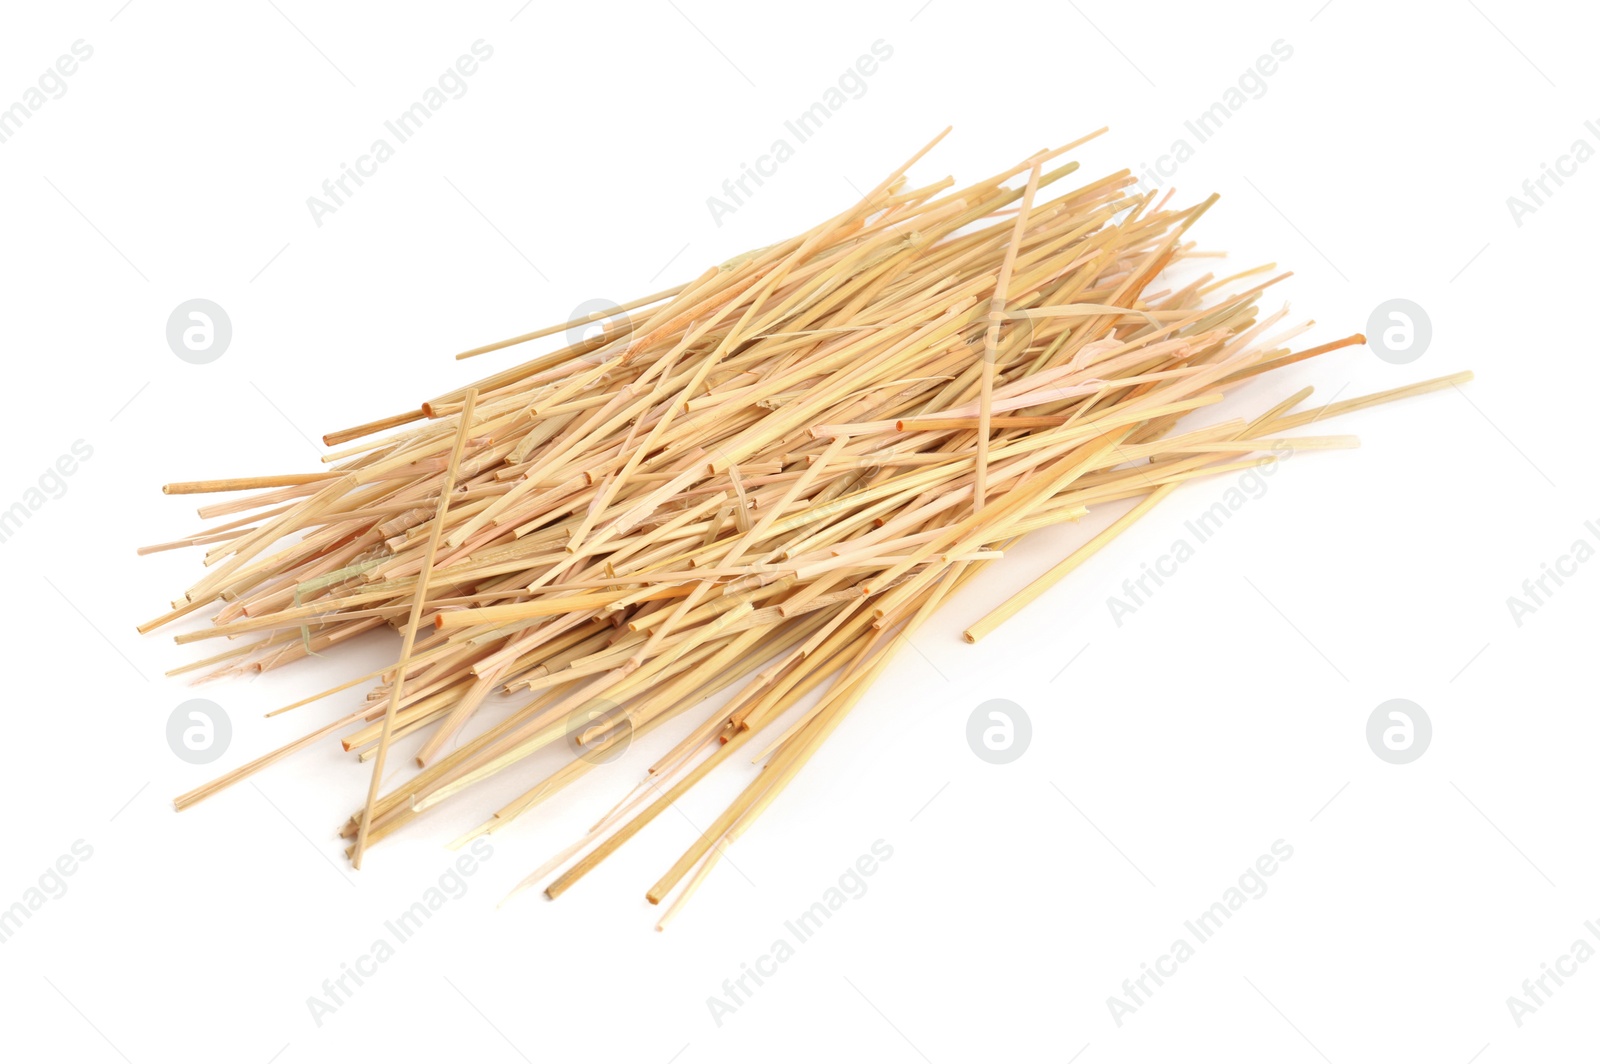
745	493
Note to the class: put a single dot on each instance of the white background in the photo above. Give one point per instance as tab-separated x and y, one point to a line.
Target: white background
1228	713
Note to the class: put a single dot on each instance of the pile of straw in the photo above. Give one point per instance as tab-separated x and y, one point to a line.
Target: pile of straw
743	491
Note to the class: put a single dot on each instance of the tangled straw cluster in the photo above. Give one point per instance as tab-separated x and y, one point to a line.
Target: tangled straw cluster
749	486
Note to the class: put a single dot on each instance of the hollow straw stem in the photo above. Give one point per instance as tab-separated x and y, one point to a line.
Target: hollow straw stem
408	639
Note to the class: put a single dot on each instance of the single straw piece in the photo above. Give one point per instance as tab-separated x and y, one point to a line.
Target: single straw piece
409	639
991	337
1004	612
